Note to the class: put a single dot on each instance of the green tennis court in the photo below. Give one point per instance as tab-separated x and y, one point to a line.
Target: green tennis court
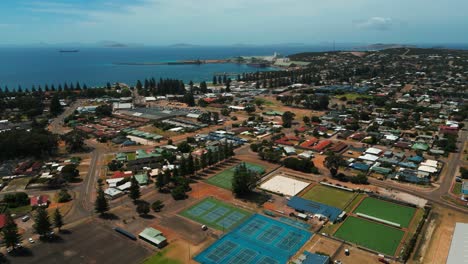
386	210
224	178
371	235
216	214
329	196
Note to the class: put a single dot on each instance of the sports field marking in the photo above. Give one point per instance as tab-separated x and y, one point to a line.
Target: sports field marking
372	235
329	196
267	242
270	234
216	214
267	260
225	249
244	256
386	210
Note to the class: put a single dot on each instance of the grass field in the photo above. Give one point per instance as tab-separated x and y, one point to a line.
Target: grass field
372	235
131	156
457	188
160	258
224	178
329	196
386	210
216	214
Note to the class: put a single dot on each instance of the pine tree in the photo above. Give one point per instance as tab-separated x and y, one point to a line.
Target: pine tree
215	80
11	237
101	205
203	161
58	219
134	189
55	106
190	165
42	224
139	86
159	181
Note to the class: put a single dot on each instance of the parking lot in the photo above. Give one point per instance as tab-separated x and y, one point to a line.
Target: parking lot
87	243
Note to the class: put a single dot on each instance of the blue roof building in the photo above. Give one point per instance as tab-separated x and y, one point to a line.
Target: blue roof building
303	205
360	166
416	159
465	188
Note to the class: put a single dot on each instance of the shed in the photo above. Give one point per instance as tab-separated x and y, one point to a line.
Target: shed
142	179
113	193
153	236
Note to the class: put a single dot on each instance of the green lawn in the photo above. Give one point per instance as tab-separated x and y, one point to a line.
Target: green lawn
20	210
329	196
159	258
216	214
353	96
372	235
131	156
224	178
386	210
457	188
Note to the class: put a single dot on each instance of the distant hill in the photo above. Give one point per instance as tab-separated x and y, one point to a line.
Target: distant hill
380	46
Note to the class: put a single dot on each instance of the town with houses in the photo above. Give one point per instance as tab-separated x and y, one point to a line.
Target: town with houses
335	157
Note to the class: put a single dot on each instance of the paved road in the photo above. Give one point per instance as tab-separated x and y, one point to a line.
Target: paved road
56	125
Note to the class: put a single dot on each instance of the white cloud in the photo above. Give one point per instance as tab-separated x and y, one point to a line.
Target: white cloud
376	23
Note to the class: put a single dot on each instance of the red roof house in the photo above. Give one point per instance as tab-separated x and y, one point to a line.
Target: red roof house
41	200
3	219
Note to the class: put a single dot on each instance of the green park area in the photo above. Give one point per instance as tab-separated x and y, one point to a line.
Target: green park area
371	235
224	178
329	196
387	211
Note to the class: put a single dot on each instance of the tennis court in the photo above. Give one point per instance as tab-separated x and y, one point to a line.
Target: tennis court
224	178
386	210
258	240
216	214
372	235
329	196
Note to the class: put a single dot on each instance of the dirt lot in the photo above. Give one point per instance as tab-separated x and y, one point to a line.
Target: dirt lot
322	244
438	236
87	243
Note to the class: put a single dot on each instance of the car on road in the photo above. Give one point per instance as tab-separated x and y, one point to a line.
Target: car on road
31	240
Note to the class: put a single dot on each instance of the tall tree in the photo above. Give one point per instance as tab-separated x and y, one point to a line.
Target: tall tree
215	80
134	189
11	237
287	119
55	106
101	205
243	181
58	219
333	162
42	224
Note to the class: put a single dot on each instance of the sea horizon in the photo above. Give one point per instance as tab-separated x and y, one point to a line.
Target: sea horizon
95	66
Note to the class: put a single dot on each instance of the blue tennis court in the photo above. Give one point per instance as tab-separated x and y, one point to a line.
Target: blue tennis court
259	239
216	214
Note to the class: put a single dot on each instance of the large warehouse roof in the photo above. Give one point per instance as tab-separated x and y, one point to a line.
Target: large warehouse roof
458	250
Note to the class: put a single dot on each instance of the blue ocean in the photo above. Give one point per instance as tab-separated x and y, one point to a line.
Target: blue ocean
96	66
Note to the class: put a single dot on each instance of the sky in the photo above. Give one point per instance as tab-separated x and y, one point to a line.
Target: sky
220	22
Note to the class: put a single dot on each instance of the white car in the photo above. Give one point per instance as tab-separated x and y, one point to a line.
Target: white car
31	240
